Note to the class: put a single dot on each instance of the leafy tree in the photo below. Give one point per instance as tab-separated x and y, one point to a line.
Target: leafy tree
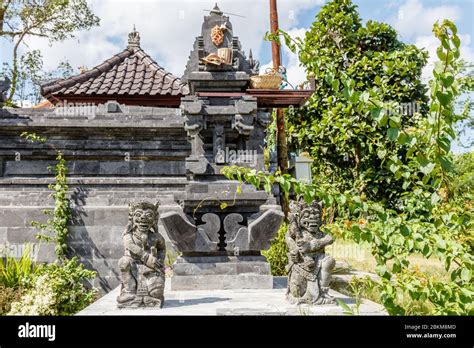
348	145
426	218
55	20
31	74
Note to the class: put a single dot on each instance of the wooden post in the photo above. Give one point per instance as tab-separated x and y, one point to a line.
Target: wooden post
282	150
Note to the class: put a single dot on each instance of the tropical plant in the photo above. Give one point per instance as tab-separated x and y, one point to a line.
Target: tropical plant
15	271
347	58
57	225
418	217
57	289
277	254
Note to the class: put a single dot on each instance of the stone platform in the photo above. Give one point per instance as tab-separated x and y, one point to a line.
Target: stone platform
230	302
221	272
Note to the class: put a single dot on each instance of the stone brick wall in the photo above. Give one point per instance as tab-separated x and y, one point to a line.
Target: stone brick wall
113	157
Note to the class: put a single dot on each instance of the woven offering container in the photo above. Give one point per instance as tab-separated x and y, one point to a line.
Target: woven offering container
270	80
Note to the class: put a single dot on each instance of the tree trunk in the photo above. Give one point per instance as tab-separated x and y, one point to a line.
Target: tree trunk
14	80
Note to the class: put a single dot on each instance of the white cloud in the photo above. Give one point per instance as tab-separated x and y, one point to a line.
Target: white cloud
413	19
167	29
296	74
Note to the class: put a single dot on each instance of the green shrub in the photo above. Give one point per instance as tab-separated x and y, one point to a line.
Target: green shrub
277	254
14	272
57	289
8	296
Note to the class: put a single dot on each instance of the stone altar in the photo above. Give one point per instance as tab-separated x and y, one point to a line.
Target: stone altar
154	140
221	247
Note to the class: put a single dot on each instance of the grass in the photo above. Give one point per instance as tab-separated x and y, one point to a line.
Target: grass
359	258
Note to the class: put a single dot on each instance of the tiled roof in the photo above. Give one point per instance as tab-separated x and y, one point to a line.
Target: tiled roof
131	72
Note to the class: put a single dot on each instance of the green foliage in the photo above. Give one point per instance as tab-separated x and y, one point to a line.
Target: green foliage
57	225
55	20
353	64
31	73
462	179
57	289
277	255
33	137
417	217
346	309
14	272
8	296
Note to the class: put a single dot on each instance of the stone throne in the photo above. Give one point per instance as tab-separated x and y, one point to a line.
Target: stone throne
221	246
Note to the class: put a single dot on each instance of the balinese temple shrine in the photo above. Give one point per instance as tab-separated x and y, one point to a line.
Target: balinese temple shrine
132	131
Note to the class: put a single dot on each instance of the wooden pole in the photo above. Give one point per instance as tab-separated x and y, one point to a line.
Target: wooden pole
282	150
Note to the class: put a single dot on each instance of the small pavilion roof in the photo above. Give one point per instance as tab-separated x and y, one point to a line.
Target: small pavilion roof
129	73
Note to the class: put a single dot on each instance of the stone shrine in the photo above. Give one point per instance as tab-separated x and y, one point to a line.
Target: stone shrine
132	131
221	247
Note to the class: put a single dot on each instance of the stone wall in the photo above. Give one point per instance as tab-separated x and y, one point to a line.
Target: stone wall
115	154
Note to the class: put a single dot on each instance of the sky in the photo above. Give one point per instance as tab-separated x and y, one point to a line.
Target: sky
168	29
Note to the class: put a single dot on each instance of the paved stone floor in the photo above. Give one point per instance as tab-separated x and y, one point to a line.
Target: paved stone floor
228	302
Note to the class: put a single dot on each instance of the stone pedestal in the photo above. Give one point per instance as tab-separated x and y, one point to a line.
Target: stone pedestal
221	272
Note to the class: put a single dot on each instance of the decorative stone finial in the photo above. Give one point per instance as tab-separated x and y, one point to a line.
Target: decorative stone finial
216	10
134	38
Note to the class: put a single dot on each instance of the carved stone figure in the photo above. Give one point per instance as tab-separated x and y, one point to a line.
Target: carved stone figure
309	267
142	266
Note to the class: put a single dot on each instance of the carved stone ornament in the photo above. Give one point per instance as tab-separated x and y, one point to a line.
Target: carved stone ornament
309	267
142	267
134	38
217	34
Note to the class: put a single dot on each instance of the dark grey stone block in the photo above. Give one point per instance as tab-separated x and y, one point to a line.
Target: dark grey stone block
214	282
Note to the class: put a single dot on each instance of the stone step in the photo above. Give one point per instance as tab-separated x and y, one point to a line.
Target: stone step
229	302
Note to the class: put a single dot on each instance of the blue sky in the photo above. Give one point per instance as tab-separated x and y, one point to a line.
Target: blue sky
168	28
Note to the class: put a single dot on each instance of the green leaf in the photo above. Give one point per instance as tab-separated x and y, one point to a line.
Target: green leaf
393	133
404	230
446	163
427	168
456	41
382	271
394	167
444	97
435	198
447	81
345	308
466	275
441	54
444	143
381	153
